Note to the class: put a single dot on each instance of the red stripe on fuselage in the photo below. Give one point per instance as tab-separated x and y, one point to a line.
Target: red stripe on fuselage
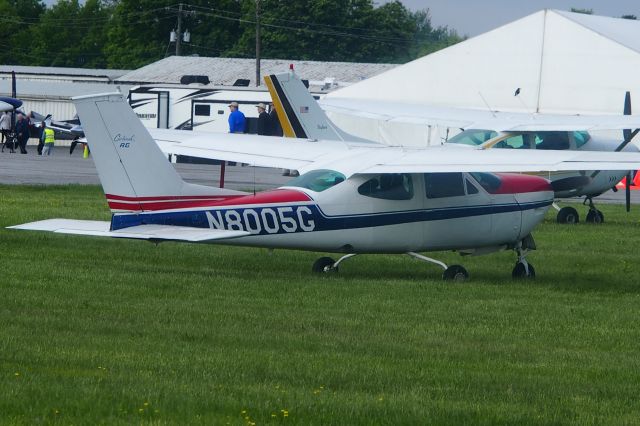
184	202
520	184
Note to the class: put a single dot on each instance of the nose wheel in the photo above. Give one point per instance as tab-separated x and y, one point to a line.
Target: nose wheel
524	269
594	215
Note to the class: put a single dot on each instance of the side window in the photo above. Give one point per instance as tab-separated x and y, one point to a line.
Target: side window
517	142
388	186
202	110
471	188
441	185
552	140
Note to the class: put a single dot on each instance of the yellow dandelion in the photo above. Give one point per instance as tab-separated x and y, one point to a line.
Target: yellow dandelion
145	404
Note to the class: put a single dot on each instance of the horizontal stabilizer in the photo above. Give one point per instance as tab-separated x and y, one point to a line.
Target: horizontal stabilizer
140	232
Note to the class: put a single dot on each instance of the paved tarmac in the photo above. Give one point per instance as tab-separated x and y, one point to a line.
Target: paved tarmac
62	168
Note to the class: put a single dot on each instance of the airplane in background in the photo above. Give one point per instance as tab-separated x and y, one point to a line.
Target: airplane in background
495	129
350	198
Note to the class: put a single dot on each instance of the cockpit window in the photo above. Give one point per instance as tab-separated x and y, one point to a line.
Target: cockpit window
581	138
388	186
488	181
318	180
473	137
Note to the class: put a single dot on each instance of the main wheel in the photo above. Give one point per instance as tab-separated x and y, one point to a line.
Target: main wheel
323	265
595	216
520	272
568	215
455	273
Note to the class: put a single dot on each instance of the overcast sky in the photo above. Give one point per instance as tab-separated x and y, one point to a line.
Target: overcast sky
473	17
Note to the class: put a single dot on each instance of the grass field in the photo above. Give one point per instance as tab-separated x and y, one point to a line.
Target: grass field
119	332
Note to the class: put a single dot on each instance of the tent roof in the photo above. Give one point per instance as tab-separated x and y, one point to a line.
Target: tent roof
561	62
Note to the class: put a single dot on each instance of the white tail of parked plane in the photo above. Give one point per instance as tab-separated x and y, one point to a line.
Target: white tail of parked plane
299	113
132	169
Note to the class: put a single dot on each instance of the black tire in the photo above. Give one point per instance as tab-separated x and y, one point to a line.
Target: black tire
595	216
519	271
455	273
568	215
323	265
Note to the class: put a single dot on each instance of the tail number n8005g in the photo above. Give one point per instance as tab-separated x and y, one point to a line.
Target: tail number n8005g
265	220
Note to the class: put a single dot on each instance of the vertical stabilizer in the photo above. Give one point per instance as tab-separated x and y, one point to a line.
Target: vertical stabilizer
131	167
299	113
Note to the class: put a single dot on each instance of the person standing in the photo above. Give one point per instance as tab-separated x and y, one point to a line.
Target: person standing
22	132
236	119
49	140
276	128
5	126
264	120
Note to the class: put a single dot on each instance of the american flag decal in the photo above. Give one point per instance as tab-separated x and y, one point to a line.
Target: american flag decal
304	109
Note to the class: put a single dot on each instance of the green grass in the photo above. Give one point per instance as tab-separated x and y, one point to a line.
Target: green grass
119	332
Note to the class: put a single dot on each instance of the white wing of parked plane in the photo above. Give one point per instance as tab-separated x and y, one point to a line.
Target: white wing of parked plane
353	158
140	232
478	119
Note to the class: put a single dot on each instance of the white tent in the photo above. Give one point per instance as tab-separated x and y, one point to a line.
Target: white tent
562	62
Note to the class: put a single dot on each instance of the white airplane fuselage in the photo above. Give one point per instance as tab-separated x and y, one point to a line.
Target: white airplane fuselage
341	219
600	181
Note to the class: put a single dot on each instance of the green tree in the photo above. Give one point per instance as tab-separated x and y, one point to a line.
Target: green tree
17	18
72	35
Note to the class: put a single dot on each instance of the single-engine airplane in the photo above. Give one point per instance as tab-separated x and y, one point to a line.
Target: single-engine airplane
511	130
350	198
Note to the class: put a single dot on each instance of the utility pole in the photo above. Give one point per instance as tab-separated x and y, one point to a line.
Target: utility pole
257	42
179	35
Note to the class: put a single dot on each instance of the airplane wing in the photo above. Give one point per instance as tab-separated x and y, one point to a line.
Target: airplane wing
264	151
464	118
140	232
353	158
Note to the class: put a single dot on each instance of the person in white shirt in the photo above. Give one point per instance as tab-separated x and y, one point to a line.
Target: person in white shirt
5	125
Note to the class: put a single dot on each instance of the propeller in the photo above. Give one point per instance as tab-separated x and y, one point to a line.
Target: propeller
628	135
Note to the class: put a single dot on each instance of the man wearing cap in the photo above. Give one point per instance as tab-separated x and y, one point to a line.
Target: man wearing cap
264	121
236	119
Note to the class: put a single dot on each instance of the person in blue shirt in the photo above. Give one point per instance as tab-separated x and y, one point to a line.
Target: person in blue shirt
236	119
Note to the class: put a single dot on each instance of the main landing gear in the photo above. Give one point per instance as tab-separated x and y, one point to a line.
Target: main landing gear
569	215
523	269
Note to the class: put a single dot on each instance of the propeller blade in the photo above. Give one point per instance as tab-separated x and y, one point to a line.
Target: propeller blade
627	193
627	111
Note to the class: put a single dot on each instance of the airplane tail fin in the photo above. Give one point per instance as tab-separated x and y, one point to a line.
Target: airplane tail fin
299	113
135	174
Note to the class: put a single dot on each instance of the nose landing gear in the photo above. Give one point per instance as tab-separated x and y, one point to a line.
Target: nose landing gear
524	269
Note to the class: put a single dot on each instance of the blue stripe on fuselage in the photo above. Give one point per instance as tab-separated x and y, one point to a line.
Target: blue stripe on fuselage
305	217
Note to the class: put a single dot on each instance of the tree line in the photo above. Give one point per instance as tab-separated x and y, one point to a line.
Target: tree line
128	34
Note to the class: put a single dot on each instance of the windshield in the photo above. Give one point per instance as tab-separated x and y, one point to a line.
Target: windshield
318	180
473	137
